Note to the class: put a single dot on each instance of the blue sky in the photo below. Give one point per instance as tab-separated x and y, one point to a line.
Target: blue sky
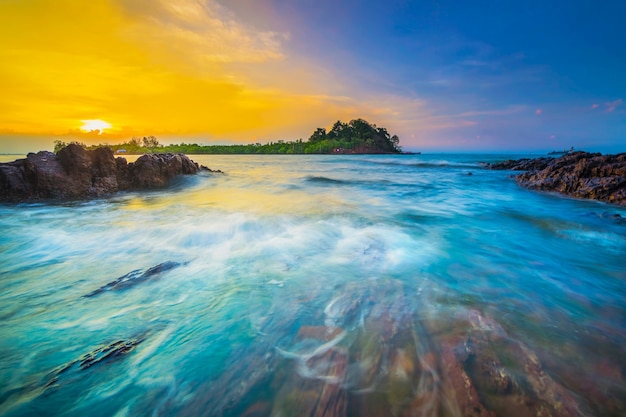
514	75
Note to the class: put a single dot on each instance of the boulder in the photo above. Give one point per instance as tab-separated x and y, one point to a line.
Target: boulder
524	164
76	173
577	174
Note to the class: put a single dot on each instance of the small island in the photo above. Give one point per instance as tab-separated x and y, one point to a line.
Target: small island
576	174
355	137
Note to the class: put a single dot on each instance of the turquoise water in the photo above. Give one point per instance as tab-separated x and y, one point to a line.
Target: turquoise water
296	275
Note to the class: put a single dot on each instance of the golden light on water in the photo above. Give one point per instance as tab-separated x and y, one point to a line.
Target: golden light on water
95	125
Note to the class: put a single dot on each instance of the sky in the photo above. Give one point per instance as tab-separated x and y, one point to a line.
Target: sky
442	75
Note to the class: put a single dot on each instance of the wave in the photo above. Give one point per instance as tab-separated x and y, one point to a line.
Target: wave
435	163
325	180
321	180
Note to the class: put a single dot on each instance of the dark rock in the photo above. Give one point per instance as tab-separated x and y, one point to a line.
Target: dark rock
75	173
524	164
75	161
134	277
577	174
104	353
110	351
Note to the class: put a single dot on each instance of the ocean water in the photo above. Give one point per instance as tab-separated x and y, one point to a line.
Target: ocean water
315	285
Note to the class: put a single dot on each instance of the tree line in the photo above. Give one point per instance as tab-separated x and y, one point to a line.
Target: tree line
356	136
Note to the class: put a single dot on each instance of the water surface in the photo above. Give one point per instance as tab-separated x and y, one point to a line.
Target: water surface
349	275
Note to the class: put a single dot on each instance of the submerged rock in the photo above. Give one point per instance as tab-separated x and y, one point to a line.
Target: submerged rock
316	396
387	362
134	277
577	174
101	354
75	173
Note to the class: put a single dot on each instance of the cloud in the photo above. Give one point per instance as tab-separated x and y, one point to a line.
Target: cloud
612	105
496	112
594	106
177	68
199	32
538	112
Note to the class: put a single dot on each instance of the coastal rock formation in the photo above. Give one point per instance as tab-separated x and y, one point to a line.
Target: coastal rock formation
578	174
524	164
75	173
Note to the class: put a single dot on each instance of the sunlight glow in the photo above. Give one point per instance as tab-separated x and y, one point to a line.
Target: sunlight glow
94	125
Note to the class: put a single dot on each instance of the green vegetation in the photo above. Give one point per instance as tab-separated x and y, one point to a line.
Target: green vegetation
357	136
59	144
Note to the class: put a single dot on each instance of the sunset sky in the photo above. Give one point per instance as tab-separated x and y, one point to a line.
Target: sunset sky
442	75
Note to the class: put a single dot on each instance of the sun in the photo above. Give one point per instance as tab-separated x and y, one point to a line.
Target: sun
95	125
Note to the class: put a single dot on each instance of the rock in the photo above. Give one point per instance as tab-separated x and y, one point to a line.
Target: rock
577	174
317	396
101	354
457	386
521	387
134	277
525	164
75	173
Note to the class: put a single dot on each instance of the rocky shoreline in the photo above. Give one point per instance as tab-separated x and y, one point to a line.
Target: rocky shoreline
75	173
577	174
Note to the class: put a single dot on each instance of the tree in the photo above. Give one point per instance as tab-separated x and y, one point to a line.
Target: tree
318	135
59	144
356	136
339	131
151	143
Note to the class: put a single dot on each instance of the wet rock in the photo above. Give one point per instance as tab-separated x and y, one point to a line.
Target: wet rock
386	375
582	175
120	347
134	277
318	332
260	409
577	174
524	164
75	173
101	354
521	387
368	353
39	176
458	387
319	395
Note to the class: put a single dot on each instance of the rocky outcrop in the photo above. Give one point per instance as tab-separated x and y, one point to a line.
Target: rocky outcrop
75	173
577	174
524	164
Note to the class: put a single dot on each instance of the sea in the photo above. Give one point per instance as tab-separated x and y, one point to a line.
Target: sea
310	285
